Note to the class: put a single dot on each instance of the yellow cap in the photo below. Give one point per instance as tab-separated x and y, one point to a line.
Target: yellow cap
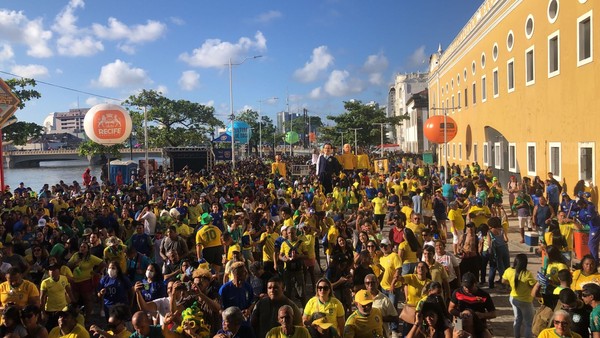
363	297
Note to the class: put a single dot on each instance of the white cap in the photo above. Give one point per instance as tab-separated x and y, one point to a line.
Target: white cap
283	228
42	222
385	241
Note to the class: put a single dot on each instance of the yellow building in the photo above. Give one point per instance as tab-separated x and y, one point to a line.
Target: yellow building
522	82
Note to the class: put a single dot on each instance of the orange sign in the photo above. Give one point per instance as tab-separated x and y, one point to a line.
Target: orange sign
435	127
107	124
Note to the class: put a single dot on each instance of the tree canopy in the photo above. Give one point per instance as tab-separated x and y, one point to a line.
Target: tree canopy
172	123
359	115
19	132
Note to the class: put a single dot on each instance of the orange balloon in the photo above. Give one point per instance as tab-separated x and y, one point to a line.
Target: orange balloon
434	129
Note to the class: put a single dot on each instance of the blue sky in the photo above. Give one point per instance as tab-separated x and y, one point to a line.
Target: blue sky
317	53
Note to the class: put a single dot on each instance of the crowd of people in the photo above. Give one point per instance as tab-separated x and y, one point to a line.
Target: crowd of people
345	251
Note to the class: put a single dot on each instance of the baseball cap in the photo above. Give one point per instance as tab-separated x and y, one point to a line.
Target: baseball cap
283	228
363	297
469	279
206	218
385	241
322	323
42	222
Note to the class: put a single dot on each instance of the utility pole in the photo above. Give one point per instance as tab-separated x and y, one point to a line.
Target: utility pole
445	112
355	144
380	124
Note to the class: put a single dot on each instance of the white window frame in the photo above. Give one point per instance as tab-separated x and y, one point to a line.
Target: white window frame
553	20
586	145
498	155
508	73
483	89
529	172
512	157
550	37
532	50
486	154
475	157
510	36
495	82
460	151
529	35
558	145
591	58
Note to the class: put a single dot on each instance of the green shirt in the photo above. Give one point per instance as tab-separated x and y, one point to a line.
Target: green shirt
595	319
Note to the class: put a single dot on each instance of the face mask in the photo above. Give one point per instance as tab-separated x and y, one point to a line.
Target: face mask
149	274
112	273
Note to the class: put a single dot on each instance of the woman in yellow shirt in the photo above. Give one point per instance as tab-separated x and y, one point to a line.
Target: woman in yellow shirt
326	303
408	252
414	284
521	282
588	273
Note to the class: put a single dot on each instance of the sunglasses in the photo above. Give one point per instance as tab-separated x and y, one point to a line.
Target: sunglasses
323	288
369	283
562	323
370	246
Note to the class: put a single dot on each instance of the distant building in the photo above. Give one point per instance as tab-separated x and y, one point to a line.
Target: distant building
284	120
66	122
417	108
405	85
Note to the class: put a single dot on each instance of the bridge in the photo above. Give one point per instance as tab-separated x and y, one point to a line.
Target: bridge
32	158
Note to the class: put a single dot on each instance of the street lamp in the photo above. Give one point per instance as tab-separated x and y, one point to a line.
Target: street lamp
232	116
355	147
380	124
260	122
342	133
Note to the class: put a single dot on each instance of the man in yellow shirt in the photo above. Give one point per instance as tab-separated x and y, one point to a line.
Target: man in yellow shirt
567	226
479	213
379	209
267	240
390	261
278	167
366	321
457	224
208	243
416	226
67	325
54	290
17	291
293	253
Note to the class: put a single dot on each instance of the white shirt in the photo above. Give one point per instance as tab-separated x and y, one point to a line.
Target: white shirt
384	304
449	262
149	222
162	308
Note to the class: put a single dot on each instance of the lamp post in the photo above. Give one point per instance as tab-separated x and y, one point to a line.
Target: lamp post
232	116
342	133
147	174
260	122
381	125
445	112
355	144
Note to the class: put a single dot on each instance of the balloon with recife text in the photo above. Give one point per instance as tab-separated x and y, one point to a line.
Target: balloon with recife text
107	124
434	129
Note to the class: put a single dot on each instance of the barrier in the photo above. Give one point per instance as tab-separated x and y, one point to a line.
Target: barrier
300	170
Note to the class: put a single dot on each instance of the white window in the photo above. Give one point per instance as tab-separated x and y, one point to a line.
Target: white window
495	52
584	39
510	40
529	27
475	157
510	75
529	66
512	157
473	67
531	157
460	151
485	154
587	161
553	55
474	93
498	155
553	8
555	159
482	60
495	84
483	90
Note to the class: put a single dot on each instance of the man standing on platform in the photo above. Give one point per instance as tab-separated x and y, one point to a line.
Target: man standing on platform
327	167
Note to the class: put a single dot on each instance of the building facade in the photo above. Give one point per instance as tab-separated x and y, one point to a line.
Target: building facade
66	122
417	108
521	82
405	85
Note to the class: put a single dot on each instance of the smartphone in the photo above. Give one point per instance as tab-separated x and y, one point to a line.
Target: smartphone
458	325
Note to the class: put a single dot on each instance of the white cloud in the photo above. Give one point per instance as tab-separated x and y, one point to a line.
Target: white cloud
17	28
177	20
93	100
121	74
267	17
164	90
319	61
30	71
131	35
375	65
216	53
6	53
418	58
340	84
72	40
189	80
316	93
210	103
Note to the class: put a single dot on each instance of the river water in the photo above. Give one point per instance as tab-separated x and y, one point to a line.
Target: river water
52	172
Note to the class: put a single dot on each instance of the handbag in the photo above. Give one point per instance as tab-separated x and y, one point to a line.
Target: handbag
408	314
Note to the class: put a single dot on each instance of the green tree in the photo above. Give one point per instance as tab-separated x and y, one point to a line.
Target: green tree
20	87
359	115
90	148
20	132
173	123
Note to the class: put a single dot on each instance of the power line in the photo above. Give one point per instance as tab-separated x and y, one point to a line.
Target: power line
63	87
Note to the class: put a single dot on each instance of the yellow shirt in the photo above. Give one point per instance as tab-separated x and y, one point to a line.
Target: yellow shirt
332	309
481	213
332	234
83	271
407	211
415	288
123	334
390	263
567	231
579	280
309	246
278	168
56	292
194	212
208	236
552	271
360	326
300	332
379	205
287	246
551	333
120	255
77	332
268	246
458	222
20	295
232	248
522	292
408	256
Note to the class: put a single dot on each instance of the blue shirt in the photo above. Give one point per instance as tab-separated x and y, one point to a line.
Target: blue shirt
116	289
553	195
154	290
231	295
